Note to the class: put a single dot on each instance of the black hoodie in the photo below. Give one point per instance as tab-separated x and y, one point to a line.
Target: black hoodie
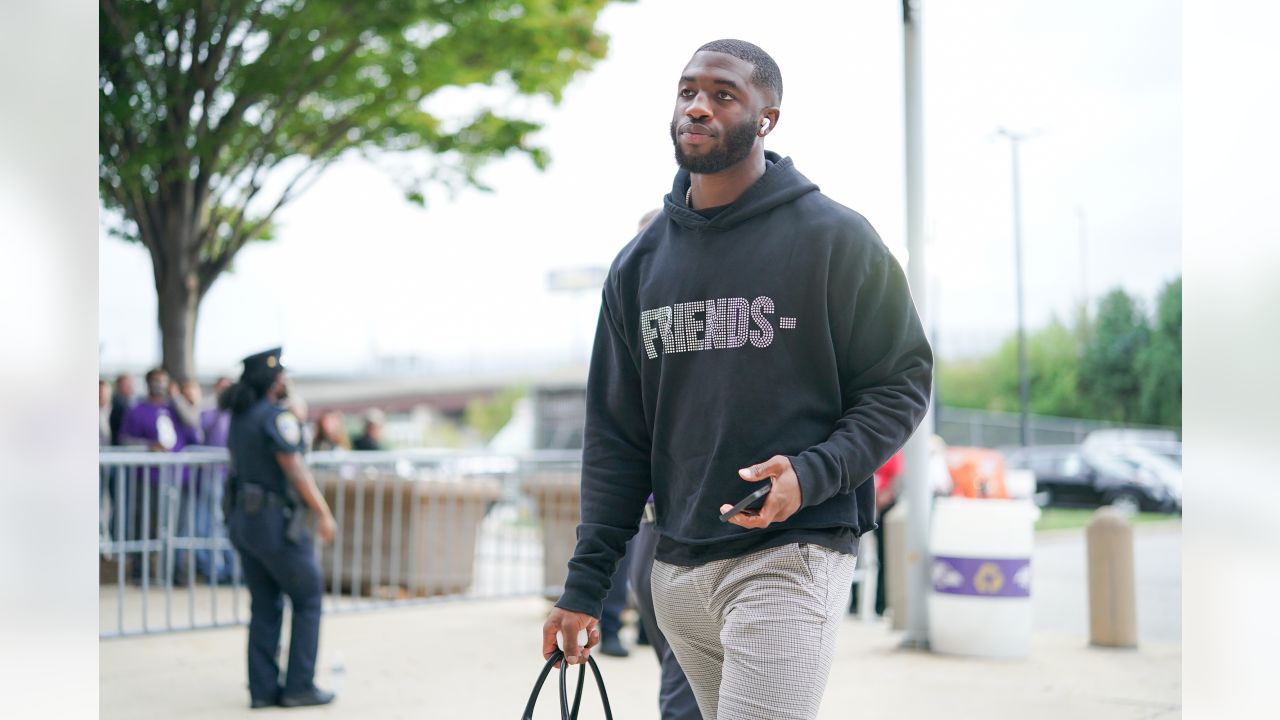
780	326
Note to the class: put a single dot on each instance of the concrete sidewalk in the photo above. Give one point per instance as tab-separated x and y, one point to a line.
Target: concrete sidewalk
479	660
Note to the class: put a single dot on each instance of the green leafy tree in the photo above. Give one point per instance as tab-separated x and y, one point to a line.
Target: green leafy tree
201	103
1160	362
991	383
1119	367
1054	360
1109	373
973	383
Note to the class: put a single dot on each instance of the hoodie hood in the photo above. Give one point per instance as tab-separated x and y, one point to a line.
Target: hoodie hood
780	184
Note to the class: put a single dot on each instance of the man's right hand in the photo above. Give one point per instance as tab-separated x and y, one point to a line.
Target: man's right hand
569	623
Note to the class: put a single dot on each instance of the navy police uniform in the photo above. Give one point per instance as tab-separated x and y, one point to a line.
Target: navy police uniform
266	524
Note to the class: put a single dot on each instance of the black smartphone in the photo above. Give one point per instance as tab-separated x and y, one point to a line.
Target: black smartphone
754	501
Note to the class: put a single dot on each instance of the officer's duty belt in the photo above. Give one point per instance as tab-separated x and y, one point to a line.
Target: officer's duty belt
254	498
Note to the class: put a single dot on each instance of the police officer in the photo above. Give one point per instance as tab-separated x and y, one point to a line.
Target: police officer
271	492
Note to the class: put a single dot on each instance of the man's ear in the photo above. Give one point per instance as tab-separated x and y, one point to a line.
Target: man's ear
768	121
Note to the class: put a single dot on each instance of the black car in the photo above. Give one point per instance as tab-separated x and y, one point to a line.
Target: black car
1067	476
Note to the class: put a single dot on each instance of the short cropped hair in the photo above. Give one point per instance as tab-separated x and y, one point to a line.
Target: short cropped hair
766	74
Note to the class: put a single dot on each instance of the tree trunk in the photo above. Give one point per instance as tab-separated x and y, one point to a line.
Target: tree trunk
179	307
177	292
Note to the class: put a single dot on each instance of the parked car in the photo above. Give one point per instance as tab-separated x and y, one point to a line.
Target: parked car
1071	476
1142	459
1161	442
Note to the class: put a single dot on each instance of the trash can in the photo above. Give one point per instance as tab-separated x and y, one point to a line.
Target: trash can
557	494
980	603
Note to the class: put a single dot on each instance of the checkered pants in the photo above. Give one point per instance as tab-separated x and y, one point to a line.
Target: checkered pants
755	634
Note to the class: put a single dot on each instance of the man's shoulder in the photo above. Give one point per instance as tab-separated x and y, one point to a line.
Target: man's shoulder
631	260
646	241
821	219
818	210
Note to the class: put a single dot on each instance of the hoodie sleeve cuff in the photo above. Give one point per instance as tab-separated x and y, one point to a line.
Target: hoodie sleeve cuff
578	601
814	489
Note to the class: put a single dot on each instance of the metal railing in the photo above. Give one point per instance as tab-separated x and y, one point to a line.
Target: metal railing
159	517
413	527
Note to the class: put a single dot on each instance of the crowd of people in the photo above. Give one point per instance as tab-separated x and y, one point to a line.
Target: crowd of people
171	416
167	416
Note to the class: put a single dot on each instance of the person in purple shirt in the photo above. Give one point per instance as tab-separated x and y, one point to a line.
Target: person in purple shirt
215	423
215	420
213	565
152	424
157	424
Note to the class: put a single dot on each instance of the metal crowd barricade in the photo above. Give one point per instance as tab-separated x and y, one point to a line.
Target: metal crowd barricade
165	562
413	526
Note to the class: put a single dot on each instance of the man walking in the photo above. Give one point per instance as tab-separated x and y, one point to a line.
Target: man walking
755	334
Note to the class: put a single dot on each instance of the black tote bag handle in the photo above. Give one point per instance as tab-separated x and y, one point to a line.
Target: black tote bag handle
566	712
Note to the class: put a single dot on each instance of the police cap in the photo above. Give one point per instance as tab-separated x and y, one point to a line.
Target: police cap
263	366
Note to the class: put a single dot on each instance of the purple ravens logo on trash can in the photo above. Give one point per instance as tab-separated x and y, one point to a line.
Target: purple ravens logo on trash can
992	577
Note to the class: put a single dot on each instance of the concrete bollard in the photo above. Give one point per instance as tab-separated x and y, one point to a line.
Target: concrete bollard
1113	614
895	564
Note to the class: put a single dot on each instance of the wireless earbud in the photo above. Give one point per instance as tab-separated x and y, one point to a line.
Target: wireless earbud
764	124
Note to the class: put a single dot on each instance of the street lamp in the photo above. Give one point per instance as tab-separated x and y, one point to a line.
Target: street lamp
1084	261
1024	381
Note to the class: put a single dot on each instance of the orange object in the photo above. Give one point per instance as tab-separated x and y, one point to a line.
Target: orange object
976	472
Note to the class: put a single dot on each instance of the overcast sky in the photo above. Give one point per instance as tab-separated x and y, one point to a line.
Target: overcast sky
356	272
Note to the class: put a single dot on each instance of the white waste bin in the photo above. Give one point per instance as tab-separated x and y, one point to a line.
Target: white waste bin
980	603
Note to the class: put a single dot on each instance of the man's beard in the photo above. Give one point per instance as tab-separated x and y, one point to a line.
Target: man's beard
735	145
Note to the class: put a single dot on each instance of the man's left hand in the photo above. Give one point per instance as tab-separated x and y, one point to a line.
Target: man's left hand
782	501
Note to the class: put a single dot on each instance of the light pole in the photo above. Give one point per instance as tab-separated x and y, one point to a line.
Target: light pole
1024	381
1084	261
918	495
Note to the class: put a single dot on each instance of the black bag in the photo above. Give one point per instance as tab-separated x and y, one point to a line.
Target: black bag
567	713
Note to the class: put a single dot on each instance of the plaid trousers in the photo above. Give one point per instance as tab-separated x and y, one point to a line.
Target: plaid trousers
755	634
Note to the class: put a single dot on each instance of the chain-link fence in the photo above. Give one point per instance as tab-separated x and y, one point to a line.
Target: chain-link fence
989	429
